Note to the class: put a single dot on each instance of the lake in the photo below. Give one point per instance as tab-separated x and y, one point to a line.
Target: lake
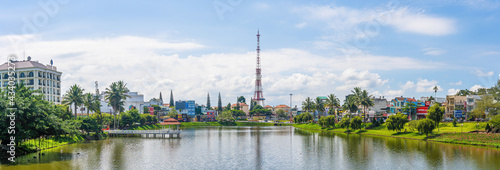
262	148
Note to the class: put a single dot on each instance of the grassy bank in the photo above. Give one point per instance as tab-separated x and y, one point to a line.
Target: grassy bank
35	145
447	133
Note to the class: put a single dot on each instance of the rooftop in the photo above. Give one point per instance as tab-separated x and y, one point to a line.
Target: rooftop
28	64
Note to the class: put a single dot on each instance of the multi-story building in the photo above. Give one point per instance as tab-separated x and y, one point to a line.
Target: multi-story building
455	106
470	105
35	75
379	107
243	107
186	107
398	103
283	107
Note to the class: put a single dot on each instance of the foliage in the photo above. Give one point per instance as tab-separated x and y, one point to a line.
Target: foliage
304	117
208	101
495	121
225	115
74	96
487	103
411	109
436	113
426	126
172	113
319	106
129	118
241	99
331	102
487	128
253	104
350	105
327	121
308	104
115	95
454	122
413	125
237	113
219	104
260	112
281	113
345	122
356	122
396	122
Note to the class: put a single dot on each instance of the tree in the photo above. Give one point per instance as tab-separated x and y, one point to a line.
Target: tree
435	93
281	113
356	123
219	105
327	121
172	113
345	122
495	122
331	102
238	113
172	104
304	117
435	113
237	104
253	103
208	101
366	101
464	92
426	126
358	98
88	102
396	122
130	117
265	112
308	104
319	106
487	104
411	109
350	105
116	94
74	96
242	99
431	98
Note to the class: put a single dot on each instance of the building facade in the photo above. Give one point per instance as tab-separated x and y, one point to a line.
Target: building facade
35	75
455	106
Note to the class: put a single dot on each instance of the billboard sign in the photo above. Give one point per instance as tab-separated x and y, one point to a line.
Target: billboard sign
427	103
151	110
458	113
422	110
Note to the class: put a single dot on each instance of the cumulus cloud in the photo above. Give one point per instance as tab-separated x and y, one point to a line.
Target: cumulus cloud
483	74
352	78
453	91
475	87
424	85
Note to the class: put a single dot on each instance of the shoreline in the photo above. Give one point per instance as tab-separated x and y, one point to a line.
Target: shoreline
435	137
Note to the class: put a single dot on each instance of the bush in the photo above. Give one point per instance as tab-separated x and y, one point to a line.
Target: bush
396	122
304	117
426	126
413	125
345	122
454	122
495	122
487	128
327	121
356	122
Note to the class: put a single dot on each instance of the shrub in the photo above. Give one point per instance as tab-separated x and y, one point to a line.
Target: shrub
396	122
413	125
495	122
487	128
454	122
345	122
356	122
327	121
426	126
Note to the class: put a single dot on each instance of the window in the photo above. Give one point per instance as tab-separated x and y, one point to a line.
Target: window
30	74
5	76
22	75
31	82
39	74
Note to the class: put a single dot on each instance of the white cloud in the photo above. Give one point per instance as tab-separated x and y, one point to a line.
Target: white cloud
457	83
408	85
475	87
453	91
402	18
433	51
424	85
483	74
364	79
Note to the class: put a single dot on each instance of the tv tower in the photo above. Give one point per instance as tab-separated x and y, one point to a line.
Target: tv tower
257	95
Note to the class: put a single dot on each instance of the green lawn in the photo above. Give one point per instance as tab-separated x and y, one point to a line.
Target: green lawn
447	133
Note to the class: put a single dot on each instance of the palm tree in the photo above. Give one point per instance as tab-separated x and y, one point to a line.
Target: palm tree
88	102
307	104
115	95
332	101
350	105
357	96
319	106
366	101
73	96
435	92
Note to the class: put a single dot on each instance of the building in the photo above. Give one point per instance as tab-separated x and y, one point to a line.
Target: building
186	107
455	106
471	104
283	107
244	107
135	101
35	75
398	103
379	107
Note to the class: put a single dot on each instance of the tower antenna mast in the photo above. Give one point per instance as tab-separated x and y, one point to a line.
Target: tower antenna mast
258	96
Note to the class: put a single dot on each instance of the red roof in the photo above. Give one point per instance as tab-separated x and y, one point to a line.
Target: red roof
282	106
267	106
170	121
241	104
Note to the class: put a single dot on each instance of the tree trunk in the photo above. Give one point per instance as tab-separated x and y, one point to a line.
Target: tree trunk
75	111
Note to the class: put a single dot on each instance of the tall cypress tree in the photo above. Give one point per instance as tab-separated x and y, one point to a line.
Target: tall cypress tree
237	104
161	98
208	101
171	99
219	104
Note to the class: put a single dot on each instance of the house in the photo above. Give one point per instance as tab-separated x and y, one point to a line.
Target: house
455	106
244	107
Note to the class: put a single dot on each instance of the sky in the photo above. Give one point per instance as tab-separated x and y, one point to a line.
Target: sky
308	48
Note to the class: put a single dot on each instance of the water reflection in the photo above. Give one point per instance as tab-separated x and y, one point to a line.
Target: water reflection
263	148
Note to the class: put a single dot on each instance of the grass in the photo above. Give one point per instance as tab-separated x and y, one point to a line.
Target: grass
447	133
34	145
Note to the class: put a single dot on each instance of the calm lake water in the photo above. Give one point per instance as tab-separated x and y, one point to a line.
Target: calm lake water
262	148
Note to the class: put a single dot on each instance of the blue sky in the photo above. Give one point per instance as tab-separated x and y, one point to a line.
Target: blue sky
313	48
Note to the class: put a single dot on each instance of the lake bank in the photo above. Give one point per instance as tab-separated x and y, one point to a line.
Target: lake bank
446	134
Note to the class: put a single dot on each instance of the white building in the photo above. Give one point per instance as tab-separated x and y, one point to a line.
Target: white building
135	100
35	75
